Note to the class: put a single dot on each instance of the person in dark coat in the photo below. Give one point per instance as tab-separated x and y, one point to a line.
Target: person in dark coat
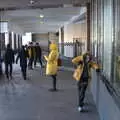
38	54
22	55
9	60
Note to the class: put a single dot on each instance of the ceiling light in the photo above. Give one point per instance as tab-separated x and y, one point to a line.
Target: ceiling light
41	16
32	1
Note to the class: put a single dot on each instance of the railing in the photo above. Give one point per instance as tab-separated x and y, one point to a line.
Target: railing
77	47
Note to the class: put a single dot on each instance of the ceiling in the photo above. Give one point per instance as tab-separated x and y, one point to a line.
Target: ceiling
28	18
39	3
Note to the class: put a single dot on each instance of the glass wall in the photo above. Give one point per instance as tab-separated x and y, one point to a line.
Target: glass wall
105	37
117	45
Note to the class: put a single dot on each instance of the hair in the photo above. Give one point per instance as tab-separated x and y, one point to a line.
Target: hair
23	46
31	43
85	55
8	45
37	43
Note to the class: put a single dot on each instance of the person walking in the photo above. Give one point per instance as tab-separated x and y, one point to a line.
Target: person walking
9	60
22	55
31	52
52	66
38	54
85	64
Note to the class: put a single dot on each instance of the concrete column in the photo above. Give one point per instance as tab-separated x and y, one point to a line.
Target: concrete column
88	26
13	47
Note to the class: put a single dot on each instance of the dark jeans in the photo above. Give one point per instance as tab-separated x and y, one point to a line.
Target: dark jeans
54	81
30	64
82	87
23	70
35	60
8	69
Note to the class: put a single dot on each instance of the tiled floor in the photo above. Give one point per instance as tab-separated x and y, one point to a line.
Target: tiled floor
31	99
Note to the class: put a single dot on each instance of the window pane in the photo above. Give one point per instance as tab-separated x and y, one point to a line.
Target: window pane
117	40
107	38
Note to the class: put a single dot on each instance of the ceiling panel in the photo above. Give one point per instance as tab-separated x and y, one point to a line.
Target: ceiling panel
30	21
41	3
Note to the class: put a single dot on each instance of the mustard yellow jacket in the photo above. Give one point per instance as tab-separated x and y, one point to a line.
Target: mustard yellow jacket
92	64
52	58
30	52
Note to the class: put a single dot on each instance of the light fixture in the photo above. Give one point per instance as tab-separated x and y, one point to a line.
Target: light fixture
41	16
32	1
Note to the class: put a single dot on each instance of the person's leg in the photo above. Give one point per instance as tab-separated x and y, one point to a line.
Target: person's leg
54	83
32	59
31	62
35	60
79	94
11	68
6	70
23	70
40	60
82	89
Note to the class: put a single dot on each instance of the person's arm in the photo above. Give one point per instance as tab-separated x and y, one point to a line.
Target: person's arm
13	57
27	54
40	51
46	57
95	66
77	60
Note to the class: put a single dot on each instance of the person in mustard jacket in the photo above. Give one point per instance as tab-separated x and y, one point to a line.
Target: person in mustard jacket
31	52
85	64
52	66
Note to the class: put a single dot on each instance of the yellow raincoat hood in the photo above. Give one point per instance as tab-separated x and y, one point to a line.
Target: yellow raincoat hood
53	46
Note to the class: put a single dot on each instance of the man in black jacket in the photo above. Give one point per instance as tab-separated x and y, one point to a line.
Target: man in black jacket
22	55
9	60
38	54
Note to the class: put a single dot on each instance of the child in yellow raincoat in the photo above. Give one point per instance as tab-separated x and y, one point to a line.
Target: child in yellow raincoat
52	65
84	65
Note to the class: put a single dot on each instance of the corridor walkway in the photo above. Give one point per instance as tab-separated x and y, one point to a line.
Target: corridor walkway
31	100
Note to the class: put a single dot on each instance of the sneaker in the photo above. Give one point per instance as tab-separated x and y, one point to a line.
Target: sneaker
79	109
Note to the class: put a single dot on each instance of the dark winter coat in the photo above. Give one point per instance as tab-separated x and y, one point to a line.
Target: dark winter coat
38	51
9	56
22	55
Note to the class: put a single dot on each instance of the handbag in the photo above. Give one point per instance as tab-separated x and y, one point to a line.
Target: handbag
59	62
77	73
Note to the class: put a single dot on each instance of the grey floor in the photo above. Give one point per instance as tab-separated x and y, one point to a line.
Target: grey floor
31	100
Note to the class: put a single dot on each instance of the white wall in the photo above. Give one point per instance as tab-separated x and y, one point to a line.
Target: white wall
78	30
68	32
60	35
26	38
